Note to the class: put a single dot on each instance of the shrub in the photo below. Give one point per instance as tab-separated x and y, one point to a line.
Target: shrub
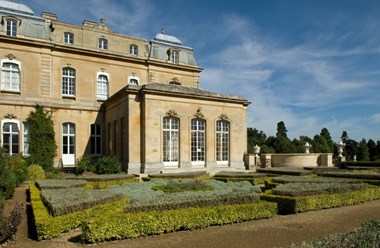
83	163
198	175
310	188
8	181
132	225
365	236
36	172
291	205
108	165
174	186
64	201
18	166
285	171
60	183
8	226
41	133
48	227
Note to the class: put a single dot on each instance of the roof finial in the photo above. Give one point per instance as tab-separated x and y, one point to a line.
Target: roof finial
162	30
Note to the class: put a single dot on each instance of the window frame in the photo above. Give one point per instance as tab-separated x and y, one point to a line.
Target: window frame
222	147
11	134
103	43
175	56
133	78
25	138
11	30
68	38
96	139
11	72
171	152
133	50
103	94
198	127
69	134
68	85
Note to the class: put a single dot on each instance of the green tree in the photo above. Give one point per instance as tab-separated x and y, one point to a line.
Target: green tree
321	145
41	133
281	130
372	150
326	135
362	151
255	137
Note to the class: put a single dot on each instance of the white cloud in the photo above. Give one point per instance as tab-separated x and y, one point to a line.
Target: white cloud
375	118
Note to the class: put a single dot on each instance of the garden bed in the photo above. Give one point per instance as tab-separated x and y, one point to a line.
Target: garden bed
285	171
292	205
129	225
231	176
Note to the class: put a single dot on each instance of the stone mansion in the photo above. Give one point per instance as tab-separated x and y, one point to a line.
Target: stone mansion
113	94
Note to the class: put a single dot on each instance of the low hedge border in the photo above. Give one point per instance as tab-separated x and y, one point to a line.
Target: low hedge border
371	176
133	225
60	183
361	163
285	171
48	227
103	178
196	175
107	184
252	180
292	205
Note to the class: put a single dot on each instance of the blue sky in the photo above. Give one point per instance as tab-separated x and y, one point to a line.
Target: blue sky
309	63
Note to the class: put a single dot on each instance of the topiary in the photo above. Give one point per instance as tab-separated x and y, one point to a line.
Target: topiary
36	172
108	165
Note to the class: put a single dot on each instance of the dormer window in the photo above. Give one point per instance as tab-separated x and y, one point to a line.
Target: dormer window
133	80
68	38
175	56
103	44
11	27
133	50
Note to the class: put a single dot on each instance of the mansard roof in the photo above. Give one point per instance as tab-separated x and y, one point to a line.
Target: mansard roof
14	7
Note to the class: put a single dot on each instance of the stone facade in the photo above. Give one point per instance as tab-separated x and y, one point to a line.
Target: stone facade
110	94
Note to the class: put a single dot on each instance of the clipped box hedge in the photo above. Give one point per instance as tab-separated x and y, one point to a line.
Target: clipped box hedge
133	225
60	183
196	175
292	205
109	183
48	227
285	171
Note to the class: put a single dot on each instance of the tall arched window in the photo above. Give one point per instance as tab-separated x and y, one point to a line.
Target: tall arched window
11	137
171	141
10	75
222	142
68	81
198	141
102	86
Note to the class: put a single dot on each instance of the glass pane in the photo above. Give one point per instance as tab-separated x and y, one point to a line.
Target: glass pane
6	127
14	139
72	129
6	138
64	131
15	148
14	127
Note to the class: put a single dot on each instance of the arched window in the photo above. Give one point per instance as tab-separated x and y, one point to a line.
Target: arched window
102	86
11	136
133	80
198	141
133	49
103	44
222	141
171	141
10	75
68	81
68	38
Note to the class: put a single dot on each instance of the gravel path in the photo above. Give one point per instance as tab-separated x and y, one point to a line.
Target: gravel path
279	231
